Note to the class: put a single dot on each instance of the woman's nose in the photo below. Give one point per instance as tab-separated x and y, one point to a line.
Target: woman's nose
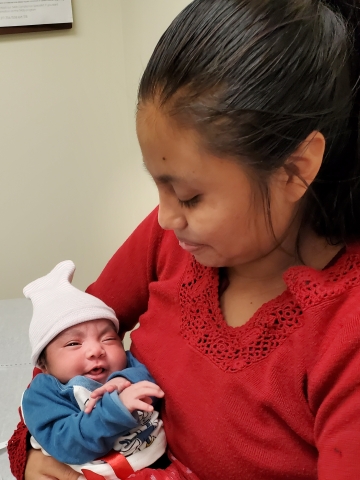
171	215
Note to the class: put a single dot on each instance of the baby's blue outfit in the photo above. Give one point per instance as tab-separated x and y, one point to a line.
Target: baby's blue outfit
53	413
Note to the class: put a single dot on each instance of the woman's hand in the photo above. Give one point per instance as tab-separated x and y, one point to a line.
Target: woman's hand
42	467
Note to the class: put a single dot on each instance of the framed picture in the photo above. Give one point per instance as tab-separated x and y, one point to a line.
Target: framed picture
19	16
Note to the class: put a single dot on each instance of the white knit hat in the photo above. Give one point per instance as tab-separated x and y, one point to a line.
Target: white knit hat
58	305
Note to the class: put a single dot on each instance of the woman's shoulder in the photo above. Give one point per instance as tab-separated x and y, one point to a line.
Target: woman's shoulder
330	309
329	317
340	280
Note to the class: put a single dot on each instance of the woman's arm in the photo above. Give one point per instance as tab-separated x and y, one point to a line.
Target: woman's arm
34	465
334	397
42	467
18	445
124	283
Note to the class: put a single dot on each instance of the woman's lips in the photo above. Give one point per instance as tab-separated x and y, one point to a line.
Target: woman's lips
189	246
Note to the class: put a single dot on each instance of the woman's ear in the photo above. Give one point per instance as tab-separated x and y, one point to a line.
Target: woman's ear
303	165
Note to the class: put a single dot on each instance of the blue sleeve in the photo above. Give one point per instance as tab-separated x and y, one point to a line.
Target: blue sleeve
135	371
71	436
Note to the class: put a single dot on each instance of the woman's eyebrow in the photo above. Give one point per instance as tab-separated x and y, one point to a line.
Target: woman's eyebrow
165	179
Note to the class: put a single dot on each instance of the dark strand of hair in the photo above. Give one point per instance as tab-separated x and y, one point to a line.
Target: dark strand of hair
255	78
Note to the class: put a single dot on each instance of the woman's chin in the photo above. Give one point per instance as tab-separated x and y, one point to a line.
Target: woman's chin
208	259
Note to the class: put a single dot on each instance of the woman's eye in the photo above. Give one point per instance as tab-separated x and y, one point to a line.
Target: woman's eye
189	203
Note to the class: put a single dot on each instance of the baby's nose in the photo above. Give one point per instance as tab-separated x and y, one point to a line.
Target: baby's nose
95	349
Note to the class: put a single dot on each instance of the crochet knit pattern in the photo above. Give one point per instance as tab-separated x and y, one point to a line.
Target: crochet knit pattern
16	447
232	349
324	284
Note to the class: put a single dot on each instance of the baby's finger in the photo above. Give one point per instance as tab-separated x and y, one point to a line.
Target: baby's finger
144	406
149	391
109	388
147	388
147	400
124	385
90	404
99	392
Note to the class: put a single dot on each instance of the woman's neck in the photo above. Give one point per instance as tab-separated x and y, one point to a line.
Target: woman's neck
314	251
252	285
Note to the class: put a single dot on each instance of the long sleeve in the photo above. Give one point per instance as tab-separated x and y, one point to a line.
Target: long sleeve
334	394
329	345
65	432
17	445
16	448
124	282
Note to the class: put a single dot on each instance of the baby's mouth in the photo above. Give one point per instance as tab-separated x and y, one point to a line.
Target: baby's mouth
96	371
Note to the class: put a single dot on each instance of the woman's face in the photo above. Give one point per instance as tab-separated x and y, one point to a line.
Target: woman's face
209	202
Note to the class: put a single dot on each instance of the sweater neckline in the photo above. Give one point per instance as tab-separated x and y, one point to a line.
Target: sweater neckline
231	349
204	327
224	281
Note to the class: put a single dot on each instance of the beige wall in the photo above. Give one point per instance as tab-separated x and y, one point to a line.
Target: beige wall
72	185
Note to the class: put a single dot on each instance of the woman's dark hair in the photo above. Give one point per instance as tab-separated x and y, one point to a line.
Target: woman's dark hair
256	77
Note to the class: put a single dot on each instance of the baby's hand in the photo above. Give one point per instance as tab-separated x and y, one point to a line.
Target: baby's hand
117	383
137	396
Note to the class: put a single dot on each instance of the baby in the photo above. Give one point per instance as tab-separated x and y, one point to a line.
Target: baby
92	405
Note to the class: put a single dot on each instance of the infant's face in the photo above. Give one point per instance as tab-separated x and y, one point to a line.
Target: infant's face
92	349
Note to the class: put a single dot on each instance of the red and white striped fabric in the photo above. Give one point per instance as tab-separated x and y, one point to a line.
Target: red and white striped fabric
115	466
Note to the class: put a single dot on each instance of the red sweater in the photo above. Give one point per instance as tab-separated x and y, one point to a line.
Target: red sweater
275	399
